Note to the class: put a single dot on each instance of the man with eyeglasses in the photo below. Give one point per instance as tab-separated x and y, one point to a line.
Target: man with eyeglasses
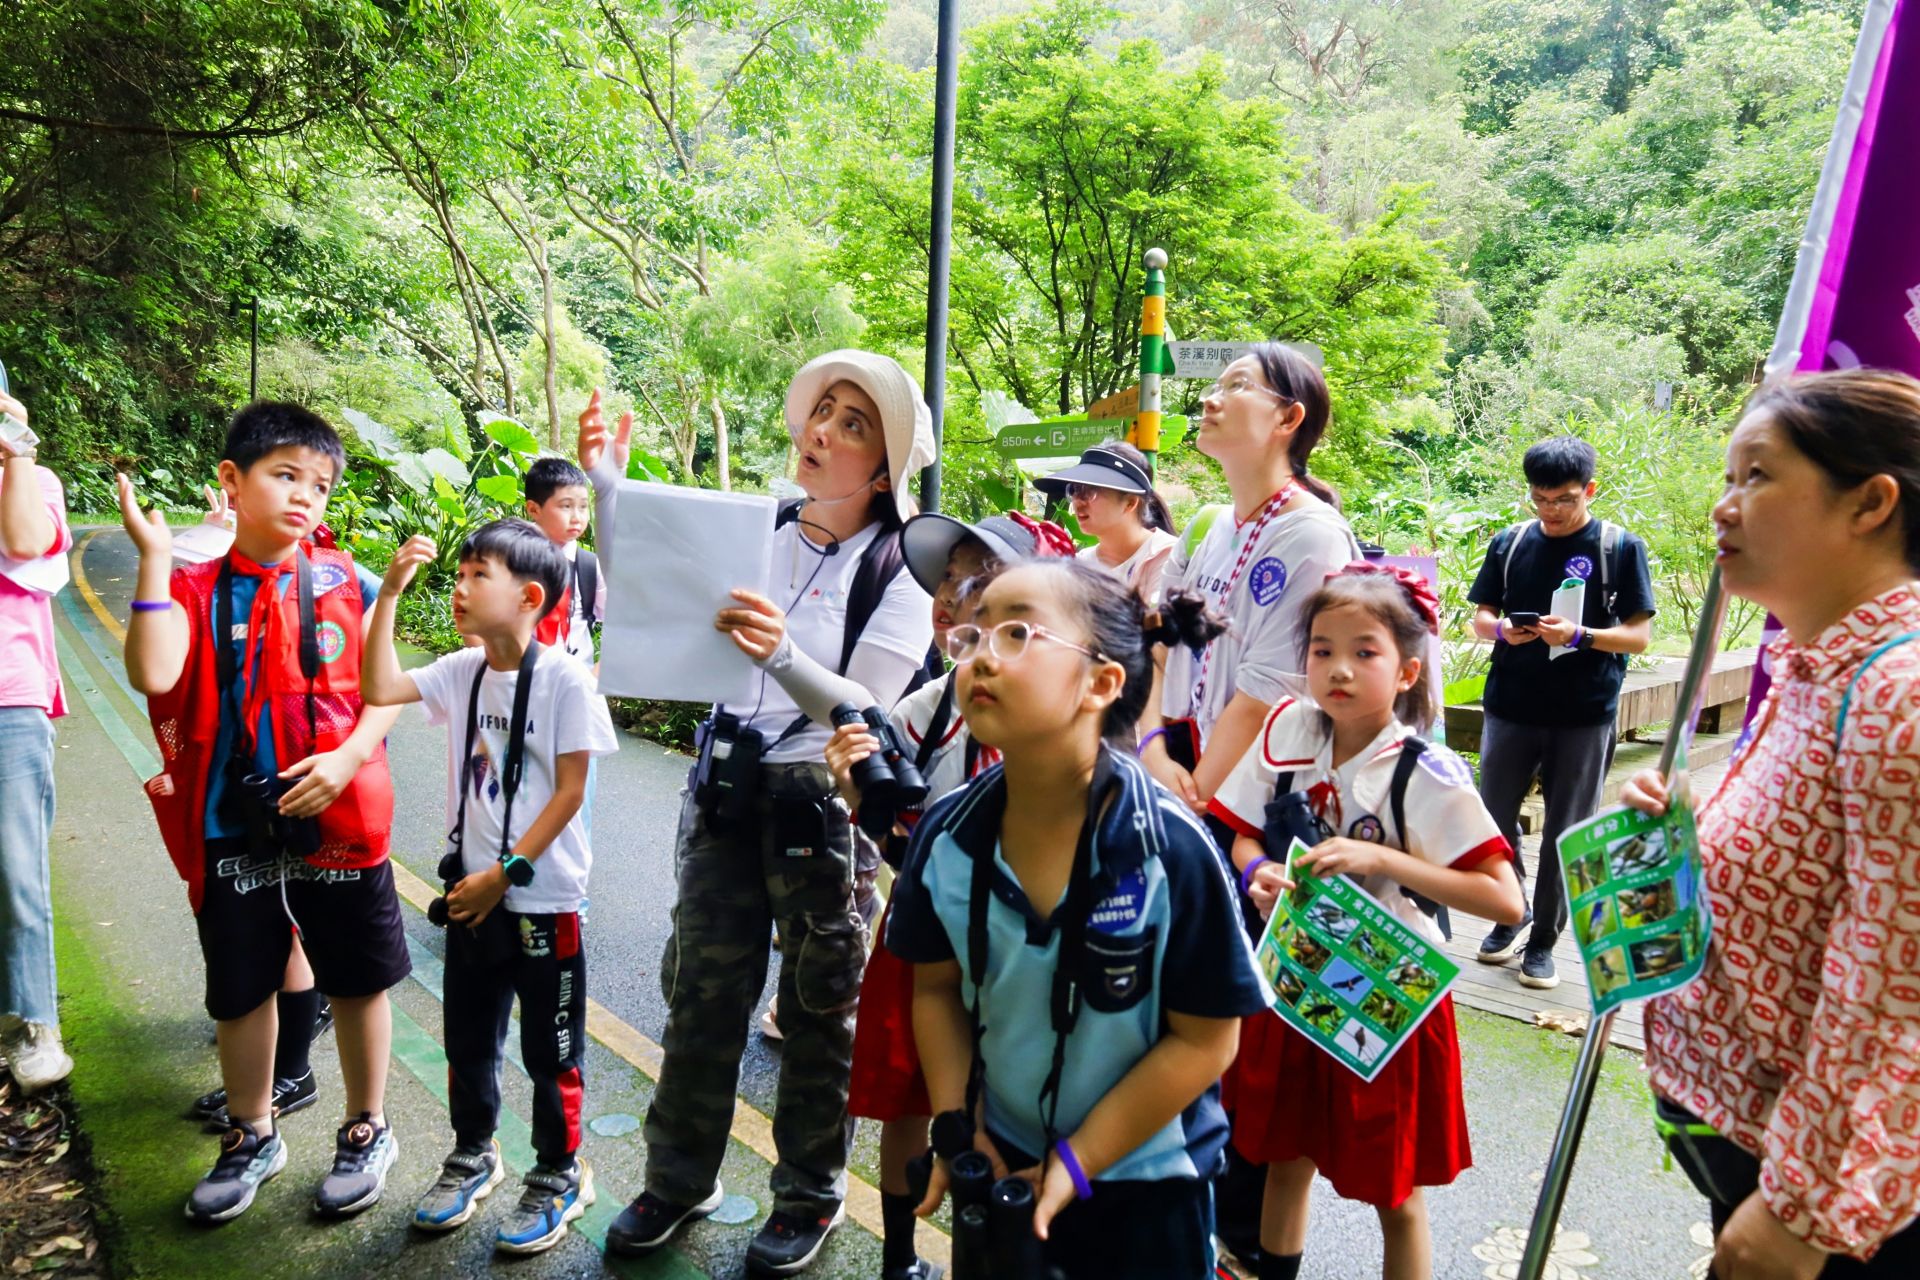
1555	681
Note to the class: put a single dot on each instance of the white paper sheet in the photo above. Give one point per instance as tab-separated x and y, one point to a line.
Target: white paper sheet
44	576
1570	604
676	554
201	543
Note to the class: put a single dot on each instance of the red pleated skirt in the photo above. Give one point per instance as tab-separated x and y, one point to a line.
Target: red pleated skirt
1374	1140
886	1082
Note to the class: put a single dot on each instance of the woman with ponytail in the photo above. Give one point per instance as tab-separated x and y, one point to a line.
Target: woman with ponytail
1113	499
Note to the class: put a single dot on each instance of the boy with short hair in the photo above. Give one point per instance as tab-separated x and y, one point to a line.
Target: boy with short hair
524	720
1555	682
560	502
275	801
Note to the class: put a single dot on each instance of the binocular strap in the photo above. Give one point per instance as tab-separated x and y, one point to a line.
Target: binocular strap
513	767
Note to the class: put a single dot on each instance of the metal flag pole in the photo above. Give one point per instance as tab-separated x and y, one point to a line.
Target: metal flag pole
253	354
1586	1070
946	80
1153	356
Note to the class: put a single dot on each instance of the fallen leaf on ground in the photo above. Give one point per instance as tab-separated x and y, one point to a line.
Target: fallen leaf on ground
1574	1024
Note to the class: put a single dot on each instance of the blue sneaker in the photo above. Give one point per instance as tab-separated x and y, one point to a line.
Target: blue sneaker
246	1160
466	1178
553	1198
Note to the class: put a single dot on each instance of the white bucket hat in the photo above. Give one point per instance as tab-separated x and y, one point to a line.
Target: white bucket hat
904	418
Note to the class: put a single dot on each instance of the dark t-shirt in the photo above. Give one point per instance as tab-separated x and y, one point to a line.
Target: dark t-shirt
1581	689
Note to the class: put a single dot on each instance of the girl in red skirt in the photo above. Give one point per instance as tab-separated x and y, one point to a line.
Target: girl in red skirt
1298	1109
952	562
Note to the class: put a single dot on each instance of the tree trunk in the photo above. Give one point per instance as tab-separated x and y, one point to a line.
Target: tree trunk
720	440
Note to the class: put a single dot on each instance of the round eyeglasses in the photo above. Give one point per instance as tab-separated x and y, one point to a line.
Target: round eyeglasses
1006	642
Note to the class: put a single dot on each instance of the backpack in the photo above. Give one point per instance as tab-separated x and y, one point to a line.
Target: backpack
879	565
1611	536
1412	747
586	581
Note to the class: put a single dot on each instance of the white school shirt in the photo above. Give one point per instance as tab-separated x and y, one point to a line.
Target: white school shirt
578	639
1142	570
947	769
1447	824
564	714
1260	653
812	586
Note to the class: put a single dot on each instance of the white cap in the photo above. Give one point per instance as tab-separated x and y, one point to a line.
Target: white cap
904	417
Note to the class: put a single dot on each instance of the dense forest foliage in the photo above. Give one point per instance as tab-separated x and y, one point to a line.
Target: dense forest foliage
1498	218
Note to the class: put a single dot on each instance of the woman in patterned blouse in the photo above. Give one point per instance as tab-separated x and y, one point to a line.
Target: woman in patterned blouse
1788	1076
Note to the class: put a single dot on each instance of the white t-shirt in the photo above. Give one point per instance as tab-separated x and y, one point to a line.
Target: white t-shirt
1142	570
564	715
947	768
1446	822
812	587
1259	655
578	637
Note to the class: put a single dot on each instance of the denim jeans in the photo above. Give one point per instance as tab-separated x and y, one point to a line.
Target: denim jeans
26	886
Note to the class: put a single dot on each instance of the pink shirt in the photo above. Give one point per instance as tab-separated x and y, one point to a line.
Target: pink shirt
1801	1040
29	672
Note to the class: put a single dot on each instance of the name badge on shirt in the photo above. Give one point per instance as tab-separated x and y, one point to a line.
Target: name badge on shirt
1120	910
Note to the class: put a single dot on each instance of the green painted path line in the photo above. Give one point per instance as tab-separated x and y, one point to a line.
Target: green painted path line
100	645
140	758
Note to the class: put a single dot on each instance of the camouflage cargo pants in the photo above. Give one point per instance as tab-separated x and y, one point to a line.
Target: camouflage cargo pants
792	866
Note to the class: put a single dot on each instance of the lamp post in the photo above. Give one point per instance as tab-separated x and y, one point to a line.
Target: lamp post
946	81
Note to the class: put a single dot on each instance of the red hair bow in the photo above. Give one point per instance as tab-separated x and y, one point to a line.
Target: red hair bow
1418	590
1050	538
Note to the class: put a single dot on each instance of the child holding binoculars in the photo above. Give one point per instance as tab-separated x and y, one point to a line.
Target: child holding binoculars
274	784
524	721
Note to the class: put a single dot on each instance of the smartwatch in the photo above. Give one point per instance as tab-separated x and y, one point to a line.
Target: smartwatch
519	870
952	1134
1586	639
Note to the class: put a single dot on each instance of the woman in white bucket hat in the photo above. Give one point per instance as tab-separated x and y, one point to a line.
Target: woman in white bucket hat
784	856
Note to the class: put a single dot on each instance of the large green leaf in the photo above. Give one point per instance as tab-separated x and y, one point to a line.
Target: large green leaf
499	488
442	463
509	433
642	465
377	436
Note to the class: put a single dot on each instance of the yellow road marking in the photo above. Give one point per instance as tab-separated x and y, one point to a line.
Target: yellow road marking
751	1126
87	593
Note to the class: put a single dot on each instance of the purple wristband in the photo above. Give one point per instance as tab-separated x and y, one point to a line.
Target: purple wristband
151	606
1246	876
1499	630
1081	1187
1579	634
1141	750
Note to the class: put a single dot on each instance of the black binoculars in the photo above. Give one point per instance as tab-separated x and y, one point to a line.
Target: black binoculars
887	780
1290	817
993	1224
727	776
451	869
260	795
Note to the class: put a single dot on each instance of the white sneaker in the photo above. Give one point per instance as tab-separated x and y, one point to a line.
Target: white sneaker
34	1052
770	1021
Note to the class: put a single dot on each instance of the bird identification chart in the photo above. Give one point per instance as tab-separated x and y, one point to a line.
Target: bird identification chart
1634	883
1346	972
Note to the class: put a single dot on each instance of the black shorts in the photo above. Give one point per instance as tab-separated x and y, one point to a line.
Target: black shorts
349	924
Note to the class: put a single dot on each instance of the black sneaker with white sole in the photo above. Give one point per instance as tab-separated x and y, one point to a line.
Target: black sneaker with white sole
1537	971
650	1222
246	1160
288	1096
790	1242
362	1153
1503	942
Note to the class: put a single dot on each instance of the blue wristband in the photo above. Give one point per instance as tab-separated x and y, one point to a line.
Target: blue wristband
1246	876
1081	1187
151	606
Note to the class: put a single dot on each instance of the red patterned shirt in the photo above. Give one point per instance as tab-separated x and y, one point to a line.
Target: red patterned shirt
1801	1041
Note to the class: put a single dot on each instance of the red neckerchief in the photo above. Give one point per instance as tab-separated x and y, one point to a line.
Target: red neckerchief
267	638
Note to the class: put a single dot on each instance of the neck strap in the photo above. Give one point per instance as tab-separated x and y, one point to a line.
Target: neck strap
514	766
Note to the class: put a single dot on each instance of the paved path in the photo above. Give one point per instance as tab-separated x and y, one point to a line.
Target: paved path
131	984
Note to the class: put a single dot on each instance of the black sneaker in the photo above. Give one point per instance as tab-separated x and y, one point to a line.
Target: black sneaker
1503	942
650	1222
288	1096
362	1153
246	1160
789	1242
1536	969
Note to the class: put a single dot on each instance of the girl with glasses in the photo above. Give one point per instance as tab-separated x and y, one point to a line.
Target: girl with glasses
1112	497
1065	869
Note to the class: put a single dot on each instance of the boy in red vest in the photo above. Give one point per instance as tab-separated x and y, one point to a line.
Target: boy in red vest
275	801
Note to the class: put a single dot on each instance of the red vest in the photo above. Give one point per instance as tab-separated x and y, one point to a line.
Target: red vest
355	829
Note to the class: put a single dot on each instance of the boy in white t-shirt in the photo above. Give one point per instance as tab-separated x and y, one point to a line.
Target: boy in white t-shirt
517	762
559	503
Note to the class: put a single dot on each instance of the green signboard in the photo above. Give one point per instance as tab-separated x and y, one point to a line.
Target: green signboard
1069	437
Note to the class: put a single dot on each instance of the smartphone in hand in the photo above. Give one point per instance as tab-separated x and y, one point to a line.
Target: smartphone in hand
1524	621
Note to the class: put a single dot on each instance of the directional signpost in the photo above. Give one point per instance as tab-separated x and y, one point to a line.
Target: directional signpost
1069	437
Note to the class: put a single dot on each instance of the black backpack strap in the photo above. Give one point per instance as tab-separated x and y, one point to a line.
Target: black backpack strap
1411	749
936	729
879	565
586	581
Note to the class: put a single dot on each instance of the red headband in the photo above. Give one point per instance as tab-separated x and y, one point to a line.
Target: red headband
1418	591
1049	538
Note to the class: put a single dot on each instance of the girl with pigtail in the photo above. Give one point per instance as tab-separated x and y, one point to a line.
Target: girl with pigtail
1362	636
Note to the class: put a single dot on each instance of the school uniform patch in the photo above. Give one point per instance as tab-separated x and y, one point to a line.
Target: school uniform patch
1267	580
1579	567
1120	910
331	638
1369	828
330	577
1446	767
